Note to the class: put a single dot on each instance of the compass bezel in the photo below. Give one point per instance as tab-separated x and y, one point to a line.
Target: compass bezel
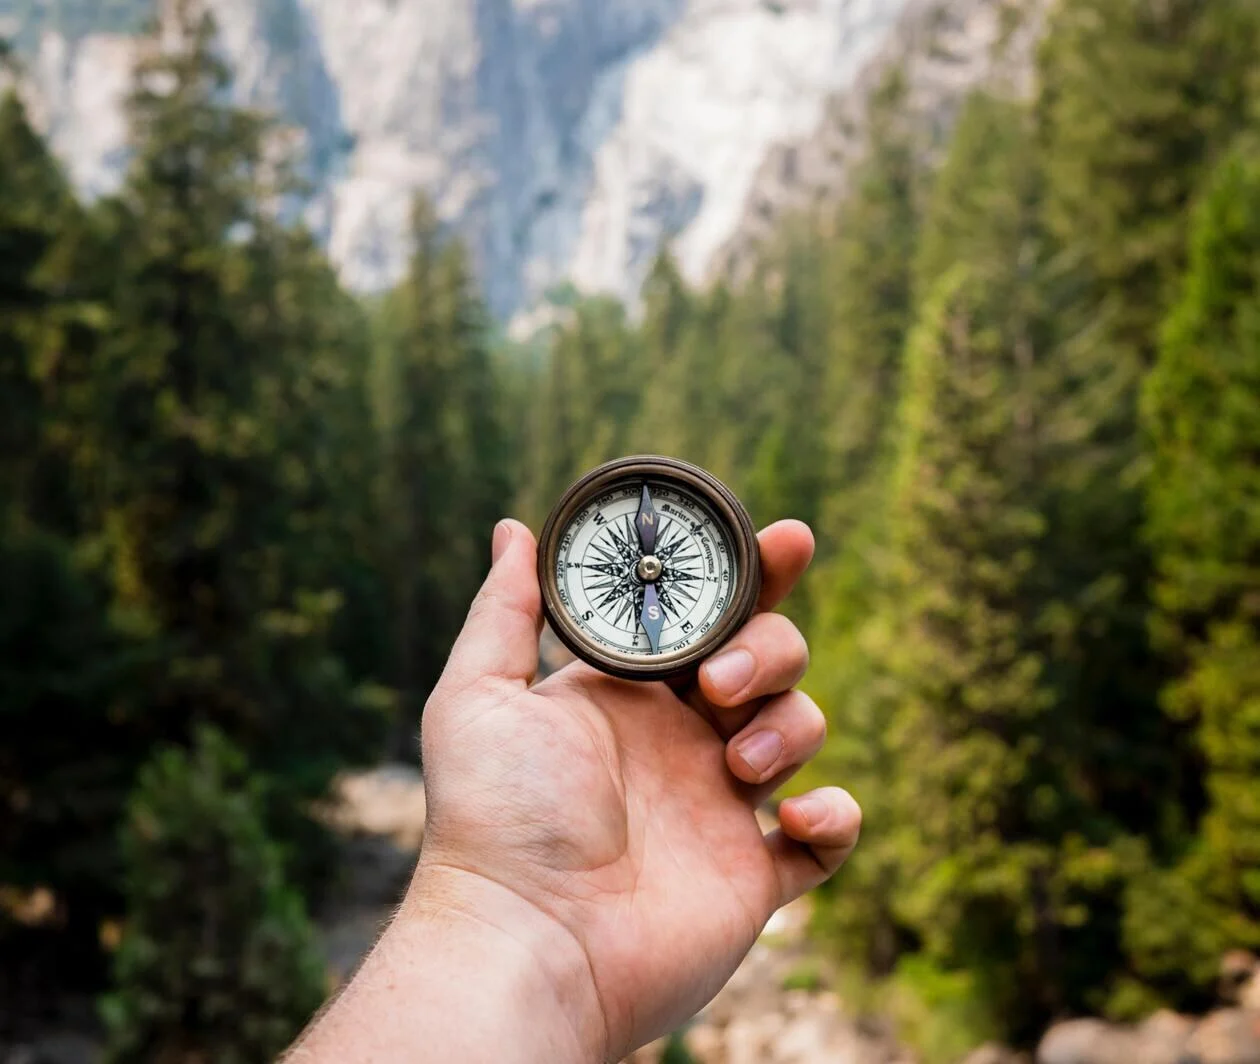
685	477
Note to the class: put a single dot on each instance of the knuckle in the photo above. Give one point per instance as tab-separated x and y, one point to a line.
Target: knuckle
785	634
813	723
492	601
846	815
802	649
775	638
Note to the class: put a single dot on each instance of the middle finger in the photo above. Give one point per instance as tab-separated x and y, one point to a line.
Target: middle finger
767	657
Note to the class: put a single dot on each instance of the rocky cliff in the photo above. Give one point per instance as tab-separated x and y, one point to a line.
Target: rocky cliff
943	49
564	139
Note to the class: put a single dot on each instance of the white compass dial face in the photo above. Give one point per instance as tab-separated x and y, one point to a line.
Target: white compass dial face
649	592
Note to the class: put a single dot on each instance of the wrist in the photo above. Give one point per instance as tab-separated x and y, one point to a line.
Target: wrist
546	975
468	971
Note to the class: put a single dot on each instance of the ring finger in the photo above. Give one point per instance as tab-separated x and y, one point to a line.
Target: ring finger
786	733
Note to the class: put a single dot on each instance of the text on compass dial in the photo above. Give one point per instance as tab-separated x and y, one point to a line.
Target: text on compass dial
598	557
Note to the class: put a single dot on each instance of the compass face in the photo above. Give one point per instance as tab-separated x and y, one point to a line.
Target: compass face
597	569
647	564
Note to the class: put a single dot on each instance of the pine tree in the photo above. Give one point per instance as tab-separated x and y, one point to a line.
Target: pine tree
445	460
969	689
787	473
1202	409
869	284
49	324
32	196
868	276
666	310
1137	98
218	960
669	366
329	439
68	677
994	841
688	375
65	661
477	438
204	426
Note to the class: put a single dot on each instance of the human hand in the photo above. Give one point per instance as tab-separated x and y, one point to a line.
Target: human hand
595	836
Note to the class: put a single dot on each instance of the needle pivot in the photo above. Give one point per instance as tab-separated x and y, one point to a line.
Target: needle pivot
650	568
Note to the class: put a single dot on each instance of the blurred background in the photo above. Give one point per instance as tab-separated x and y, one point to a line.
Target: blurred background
298	297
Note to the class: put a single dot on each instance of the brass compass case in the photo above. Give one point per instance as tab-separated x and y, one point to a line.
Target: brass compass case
709	567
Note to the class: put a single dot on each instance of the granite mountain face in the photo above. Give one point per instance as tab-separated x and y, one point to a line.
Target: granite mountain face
565	140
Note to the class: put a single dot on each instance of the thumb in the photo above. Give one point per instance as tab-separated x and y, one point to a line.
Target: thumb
500	637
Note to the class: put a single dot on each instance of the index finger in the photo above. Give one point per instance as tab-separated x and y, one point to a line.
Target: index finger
787	547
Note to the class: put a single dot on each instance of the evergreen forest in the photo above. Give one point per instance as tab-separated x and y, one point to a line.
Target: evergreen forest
1010	376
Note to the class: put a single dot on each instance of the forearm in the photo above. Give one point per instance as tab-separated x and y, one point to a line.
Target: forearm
466	972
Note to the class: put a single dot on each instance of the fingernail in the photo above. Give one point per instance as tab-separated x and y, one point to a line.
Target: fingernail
760	750
731	672
502	537
814	810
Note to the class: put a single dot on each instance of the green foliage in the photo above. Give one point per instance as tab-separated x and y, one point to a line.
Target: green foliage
1202	408
942	1011
444	457
969	697
1135	97
805	976
676	1051
214	386
191	504
869	266
49	324
218	959
67	676
867	292
583	405
67	665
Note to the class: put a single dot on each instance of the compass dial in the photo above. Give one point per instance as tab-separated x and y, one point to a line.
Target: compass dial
646	565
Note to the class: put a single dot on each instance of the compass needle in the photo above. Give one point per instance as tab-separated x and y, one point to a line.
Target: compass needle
645	522
652	617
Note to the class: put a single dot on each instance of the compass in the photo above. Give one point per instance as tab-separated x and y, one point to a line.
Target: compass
648	565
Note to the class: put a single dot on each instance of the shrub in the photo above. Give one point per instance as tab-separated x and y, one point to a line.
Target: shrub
217	960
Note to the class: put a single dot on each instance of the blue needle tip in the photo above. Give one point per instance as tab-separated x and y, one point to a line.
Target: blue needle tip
652	618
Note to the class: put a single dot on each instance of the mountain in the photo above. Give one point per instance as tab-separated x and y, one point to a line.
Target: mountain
943	50
565	140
